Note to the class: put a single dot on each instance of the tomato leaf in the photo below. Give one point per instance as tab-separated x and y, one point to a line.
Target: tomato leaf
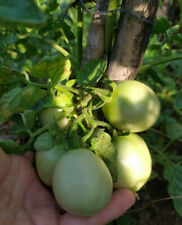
20	13
173	174
91	72
161	26
29	117
104	94
57	68
9	146
64	5
44	142
103	147
19	127
173	129
18	99
8	76
178	102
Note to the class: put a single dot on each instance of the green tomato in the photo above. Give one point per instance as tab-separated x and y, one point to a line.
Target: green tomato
46	161
48	115
133	163
134	107
82	183
62	100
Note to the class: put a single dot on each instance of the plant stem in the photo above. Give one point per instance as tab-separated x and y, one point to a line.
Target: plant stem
159	62
66	89
36	133
110	23
36	84
79	35
58	47
153	202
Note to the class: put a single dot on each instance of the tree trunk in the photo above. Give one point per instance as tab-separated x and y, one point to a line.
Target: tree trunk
132	39
95	42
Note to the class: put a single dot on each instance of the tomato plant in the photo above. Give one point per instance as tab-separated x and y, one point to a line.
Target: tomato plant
133	162
82	183
47	83
134	107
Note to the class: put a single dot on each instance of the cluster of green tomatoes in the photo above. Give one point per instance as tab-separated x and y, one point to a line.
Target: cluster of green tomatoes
82	183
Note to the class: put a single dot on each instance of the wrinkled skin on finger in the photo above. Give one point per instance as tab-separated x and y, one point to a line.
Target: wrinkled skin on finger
24	200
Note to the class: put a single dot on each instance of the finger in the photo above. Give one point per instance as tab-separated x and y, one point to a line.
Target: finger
30	156
120	202
4	164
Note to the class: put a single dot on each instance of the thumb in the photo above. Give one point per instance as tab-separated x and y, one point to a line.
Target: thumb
4	165
121	201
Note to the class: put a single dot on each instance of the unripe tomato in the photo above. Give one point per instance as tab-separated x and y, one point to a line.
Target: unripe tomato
134	107
134	162
82	183
63	100
46	161
48	115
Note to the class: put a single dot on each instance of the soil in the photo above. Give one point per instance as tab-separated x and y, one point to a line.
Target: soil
160	213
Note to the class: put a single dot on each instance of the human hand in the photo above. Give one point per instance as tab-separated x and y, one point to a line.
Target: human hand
25	201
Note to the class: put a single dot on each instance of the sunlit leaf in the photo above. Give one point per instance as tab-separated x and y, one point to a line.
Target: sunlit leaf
57	68
18	100
64	6
102	145
91	72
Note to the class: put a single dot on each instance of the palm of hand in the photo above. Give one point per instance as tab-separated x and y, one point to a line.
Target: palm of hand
25	201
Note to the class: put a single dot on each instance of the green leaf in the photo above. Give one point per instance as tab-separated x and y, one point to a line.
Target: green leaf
105	95
9	146
173	174
64	5
67	30
103	147
154	75
20	12
19	127
173	30
173	129
161	26
7	39
27	98
29	117
178	102
18	99
44	142
57	68
5	102
91	72
8	76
